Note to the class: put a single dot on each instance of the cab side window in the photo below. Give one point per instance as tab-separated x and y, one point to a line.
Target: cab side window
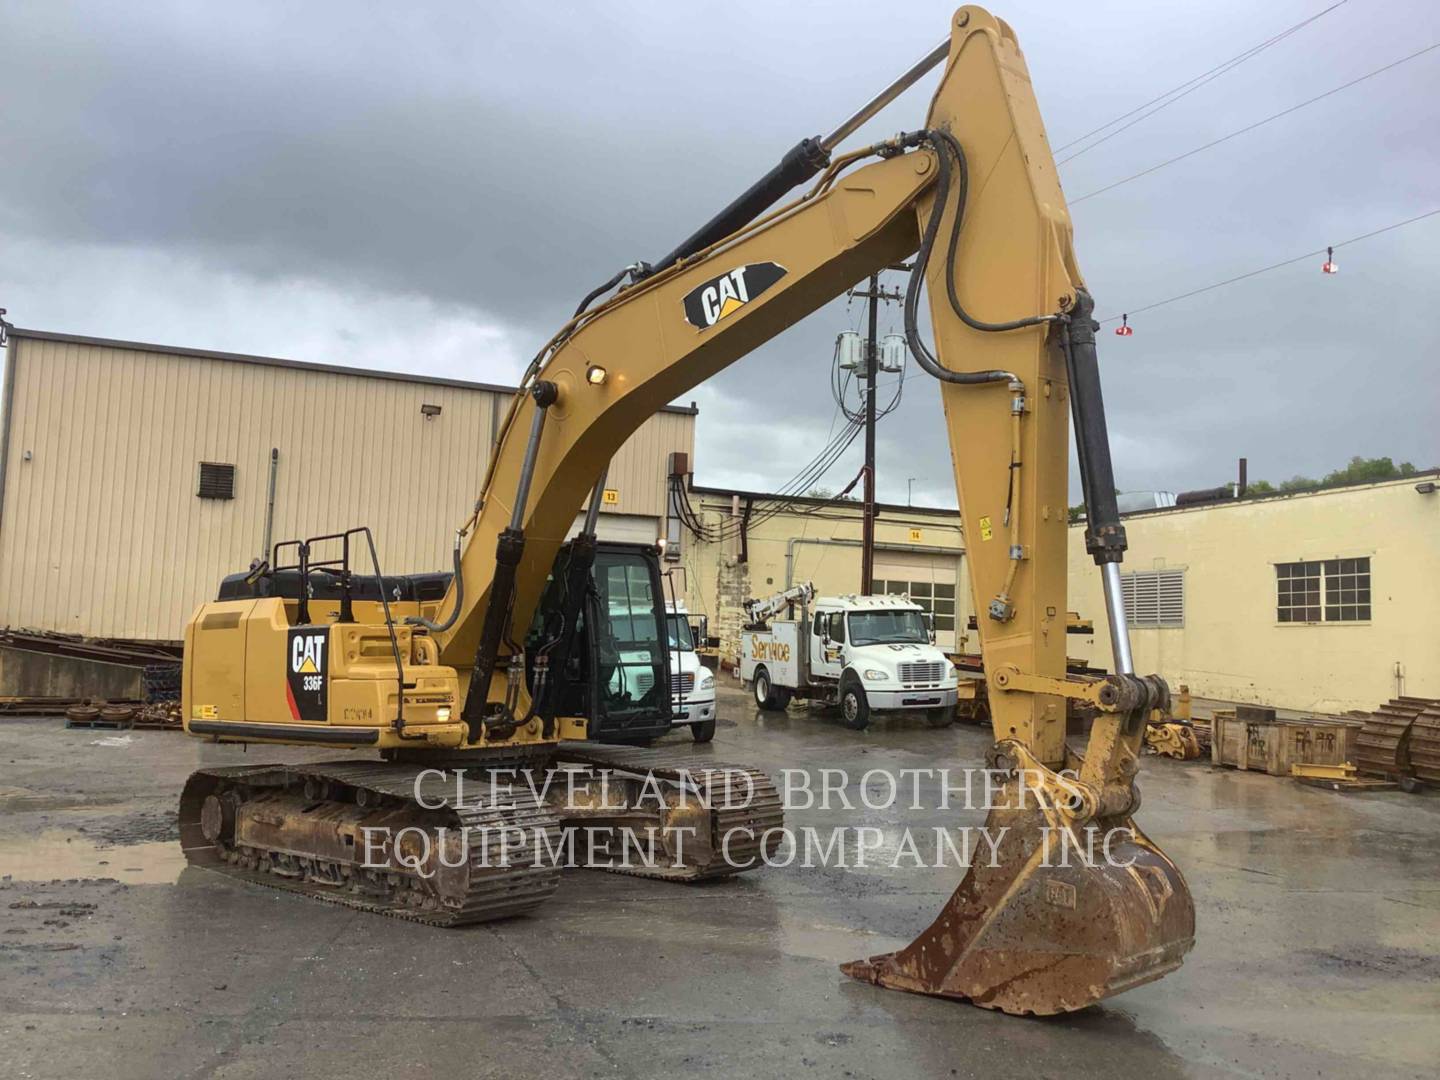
837	627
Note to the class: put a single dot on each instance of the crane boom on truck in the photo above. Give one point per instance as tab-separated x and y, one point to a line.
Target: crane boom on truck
525	648
759	610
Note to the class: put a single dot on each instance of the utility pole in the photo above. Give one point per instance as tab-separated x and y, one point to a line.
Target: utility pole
874	294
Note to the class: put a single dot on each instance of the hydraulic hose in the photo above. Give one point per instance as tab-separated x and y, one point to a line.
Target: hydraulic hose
918	349
963	191
638	270
441	627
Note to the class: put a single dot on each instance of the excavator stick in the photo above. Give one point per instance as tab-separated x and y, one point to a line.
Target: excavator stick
1062	914
1076	904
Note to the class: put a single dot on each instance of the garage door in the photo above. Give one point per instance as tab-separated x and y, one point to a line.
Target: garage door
929	580
629	528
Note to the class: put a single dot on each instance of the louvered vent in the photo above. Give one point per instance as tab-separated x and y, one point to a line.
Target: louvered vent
217	481
1154	597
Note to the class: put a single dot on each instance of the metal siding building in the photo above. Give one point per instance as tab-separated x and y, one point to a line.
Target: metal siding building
102	532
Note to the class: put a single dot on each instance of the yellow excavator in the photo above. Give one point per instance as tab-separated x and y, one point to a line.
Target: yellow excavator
537	647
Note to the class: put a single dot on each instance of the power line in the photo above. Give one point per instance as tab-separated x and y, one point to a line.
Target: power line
1256	124
1186	88
1274	266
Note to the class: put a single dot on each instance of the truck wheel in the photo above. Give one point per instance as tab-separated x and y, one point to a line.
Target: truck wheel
854	706
764	691
941	717
704	731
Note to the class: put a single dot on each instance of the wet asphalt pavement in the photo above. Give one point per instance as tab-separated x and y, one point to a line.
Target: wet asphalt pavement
1318	947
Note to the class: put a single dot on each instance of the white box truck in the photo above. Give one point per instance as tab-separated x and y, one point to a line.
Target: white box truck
692	684
864	654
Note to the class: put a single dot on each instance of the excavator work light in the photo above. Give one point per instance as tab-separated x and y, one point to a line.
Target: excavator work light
596	375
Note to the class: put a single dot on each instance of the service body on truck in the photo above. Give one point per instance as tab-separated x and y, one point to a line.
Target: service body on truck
866	654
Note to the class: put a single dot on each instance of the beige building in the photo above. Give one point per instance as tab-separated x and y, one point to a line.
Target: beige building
1325	601
133	477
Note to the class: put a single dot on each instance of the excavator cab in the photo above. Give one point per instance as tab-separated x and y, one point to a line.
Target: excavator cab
616	670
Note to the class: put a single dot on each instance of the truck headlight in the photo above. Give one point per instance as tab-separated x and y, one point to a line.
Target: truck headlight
442	714
872	675
707	681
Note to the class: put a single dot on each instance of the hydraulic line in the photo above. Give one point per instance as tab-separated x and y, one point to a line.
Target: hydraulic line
440	627
955	223
918	349
509	547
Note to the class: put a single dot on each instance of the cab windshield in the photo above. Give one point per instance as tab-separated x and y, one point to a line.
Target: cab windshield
680	639
888	628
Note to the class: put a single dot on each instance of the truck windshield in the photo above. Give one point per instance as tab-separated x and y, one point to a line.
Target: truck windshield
680	639
888	628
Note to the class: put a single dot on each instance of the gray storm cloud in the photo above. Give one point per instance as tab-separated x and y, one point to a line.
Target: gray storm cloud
434	189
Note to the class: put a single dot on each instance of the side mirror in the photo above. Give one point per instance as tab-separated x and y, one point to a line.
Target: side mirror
930	626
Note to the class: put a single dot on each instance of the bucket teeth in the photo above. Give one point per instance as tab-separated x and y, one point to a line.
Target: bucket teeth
1061	917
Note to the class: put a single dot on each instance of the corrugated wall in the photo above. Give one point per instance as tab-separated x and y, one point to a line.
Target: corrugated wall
101	531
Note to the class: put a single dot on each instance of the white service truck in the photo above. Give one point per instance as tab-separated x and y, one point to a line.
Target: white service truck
692	685
865	654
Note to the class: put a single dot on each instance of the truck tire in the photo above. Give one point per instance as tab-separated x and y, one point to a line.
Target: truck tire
854	705
704	731
765	695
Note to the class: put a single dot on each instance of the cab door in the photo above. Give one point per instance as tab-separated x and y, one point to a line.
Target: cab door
827	650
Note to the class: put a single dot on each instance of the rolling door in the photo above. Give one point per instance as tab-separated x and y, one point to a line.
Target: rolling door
932	581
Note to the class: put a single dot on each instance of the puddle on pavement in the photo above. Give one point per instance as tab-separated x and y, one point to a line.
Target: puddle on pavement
54	854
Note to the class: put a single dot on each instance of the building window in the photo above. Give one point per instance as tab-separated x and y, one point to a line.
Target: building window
936	599
217	481
1154	597
1333	590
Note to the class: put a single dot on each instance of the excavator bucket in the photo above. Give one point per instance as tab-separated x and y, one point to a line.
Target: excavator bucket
1062	915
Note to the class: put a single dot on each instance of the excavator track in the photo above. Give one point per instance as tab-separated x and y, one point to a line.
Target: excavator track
742	816
1383	745
303	828
222	808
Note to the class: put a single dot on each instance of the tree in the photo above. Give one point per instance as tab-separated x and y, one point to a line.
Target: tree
1368	471
1361	470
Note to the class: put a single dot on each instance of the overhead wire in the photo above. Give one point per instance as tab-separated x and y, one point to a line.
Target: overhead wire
1273	266
1185	89
1257	124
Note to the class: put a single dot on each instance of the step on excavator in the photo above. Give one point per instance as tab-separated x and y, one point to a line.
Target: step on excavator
533	651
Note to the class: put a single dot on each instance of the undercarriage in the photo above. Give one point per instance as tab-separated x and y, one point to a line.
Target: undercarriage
466	840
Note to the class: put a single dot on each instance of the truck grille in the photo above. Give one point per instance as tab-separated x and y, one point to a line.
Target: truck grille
921	674
682	684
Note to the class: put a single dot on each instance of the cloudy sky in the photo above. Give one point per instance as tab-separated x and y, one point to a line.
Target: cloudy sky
431	188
